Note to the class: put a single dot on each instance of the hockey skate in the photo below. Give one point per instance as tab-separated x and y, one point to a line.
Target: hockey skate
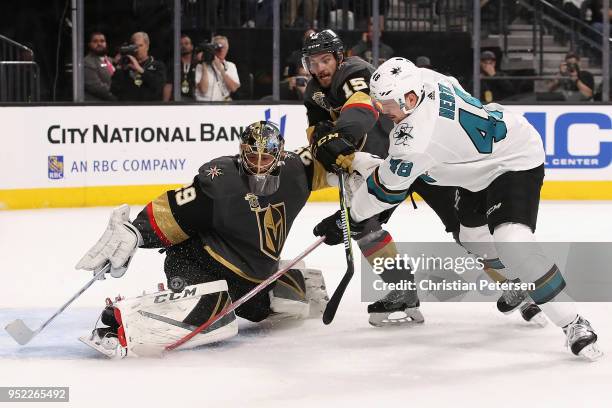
510	300
397	308
581	339
105	341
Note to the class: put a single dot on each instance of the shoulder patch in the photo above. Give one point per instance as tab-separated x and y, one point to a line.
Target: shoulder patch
213	171
402	134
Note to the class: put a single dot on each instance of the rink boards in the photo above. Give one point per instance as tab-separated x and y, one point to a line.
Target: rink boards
66	156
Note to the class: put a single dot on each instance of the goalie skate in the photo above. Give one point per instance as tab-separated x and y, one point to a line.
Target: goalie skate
397	308
582	340
105	342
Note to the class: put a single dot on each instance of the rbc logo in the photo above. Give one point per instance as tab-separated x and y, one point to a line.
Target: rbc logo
561	158
56	167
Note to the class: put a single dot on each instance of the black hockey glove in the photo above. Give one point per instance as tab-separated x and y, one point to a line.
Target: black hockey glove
331	227
332	150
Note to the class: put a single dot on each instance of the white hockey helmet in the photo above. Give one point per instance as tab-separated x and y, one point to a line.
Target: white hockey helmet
396	78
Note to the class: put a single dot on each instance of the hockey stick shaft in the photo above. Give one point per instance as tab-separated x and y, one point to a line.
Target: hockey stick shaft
26	337
234	305
334	301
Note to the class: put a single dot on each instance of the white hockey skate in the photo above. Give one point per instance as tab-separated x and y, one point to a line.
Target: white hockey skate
397	308
582	340
104	341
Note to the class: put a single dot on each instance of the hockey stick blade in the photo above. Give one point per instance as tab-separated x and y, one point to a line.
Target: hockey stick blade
22	334
334	302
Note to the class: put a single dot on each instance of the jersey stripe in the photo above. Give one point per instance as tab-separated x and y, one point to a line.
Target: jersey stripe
360	100
155	227
377	189
164	218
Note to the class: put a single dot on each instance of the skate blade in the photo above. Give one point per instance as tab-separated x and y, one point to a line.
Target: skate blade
114	354
409	317
539	320
591	352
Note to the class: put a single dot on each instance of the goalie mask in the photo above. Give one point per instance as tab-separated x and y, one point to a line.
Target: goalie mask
261	152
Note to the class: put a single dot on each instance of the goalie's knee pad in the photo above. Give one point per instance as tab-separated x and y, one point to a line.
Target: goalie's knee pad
162	318
300	293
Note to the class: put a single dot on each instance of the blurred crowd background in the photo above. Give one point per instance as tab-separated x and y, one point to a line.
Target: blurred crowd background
232	50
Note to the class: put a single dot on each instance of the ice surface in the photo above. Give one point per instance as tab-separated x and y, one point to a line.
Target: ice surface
464	355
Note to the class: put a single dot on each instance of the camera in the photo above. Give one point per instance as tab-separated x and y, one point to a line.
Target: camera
208	51
301	81
572	67
125	50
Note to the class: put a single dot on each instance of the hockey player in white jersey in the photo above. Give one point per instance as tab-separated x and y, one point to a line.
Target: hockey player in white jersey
496	158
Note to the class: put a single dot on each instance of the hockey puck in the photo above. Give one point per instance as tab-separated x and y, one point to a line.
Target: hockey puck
176	284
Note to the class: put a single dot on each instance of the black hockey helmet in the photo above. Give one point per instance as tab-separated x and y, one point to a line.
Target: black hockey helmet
261	154
322	42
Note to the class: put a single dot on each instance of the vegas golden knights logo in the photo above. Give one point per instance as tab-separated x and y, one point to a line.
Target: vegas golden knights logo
272	225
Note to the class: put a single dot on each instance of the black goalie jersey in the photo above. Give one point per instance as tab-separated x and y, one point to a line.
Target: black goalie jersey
243	232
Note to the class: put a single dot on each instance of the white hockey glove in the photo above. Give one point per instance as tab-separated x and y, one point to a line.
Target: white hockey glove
117	245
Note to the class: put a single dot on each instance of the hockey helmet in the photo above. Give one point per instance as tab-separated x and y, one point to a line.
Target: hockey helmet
261	153
326	41
394	79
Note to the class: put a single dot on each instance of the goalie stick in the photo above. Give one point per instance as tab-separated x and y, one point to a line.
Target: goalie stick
22	334
334	302
234	305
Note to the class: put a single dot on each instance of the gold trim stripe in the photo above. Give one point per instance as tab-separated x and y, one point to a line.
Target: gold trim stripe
296	286
230	265
165	220
358	98
110	196
240	273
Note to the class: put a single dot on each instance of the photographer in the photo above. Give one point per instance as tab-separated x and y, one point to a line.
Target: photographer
572	79
140	77
187	76
293	87
216	77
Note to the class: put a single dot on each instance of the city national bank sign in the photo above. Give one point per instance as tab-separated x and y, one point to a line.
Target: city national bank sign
146	150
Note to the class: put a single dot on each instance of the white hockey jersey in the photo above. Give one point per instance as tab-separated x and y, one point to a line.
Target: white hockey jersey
451	139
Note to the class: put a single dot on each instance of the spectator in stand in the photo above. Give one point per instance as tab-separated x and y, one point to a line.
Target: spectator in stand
294	61
187	76
597	13
218	80
139	77
423	62
492	90
302	12
293	87
99	70
363	48
573	79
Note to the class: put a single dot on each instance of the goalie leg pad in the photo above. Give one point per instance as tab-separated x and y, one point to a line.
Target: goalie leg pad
300	293
162	318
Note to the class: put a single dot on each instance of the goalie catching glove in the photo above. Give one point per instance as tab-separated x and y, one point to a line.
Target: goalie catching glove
117	245
332	150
